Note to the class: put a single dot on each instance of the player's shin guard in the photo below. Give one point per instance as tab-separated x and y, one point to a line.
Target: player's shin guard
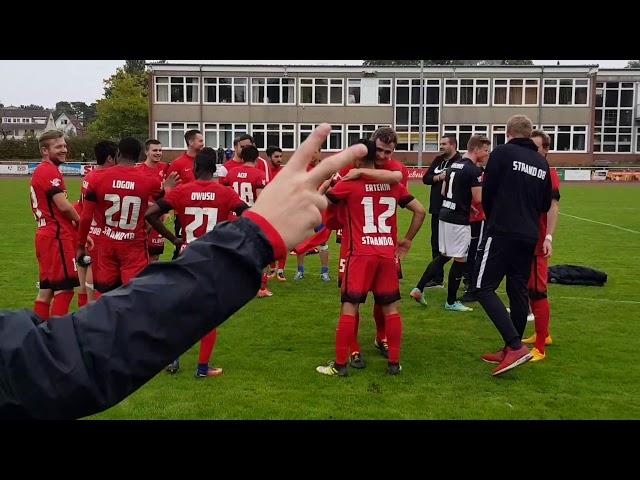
61	302
82	300
41	309
378	316
206	347
393	327
344	337
542	312
355	346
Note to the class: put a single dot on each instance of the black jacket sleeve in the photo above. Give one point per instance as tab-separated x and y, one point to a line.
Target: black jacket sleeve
86	362
491	180
427	178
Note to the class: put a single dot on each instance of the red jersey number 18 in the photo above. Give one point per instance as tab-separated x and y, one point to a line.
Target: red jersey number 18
245	192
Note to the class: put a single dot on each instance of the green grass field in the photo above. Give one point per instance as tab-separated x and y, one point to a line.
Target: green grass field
270	349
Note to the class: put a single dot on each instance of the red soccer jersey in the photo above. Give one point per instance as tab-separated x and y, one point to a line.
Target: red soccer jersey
159	170
200	205
88	181
231	164
555	195
184	166
267	167
46	182
121	195
246	181
371	225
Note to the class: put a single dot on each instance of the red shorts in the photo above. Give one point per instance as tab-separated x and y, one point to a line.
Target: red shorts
320	238
155	243
343	263
116	264
57	263
370	273
538	279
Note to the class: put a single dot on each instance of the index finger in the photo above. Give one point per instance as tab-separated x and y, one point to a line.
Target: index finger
334	163
313	142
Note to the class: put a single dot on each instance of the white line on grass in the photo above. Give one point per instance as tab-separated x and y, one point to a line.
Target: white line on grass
597	299
600	223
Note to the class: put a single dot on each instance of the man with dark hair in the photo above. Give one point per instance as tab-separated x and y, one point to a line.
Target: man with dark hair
153	166
201	205
243	141
435	176
119	199
55	234
274	166
516	191
106	153
183	166
248	182
461	187
539	268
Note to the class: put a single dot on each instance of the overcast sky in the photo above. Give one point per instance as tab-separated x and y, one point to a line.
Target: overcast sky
45	82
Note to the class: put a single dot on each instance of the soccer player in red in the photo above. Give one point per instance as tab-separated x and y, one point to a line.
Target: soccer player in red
200	205
240	143
105	152
272	168
248	182
389	171
539	268
183	166
55	234
119	199
370	265
153	166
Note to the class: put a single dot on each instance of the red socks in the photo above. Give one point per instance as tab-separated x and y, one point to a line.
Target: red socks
206	346
542	312
355	347
41	309
378	316
265	279
344	337
393	327
82	300
281	263
61	302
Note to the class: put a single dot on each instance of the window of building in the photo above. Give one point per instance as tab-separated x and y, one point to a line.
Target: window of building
614	117
225	90
270	90
171	135
356	132
516	91
407	114
321	91
177	89
464	132
567	138
218	135
274	134
334	140
369	91
565	91
466	91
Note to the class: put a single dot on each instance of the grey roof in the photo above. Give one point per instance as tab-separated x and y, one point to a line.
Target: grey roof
19	112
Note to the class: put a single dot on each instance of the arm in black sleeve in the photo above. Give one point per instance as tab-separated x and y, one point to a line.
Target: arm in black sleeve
427	178
491	181
85	362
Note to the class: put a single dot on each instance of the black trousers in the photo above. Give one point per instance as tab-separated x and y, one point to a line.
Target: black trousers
435	247
476	235
498	257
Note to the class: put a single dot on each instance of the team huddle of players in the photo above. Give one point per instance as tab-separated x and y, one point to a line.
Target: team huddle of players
118	226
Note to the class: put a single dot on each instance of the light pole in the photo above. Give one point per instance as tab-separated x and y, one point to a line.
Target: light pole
421	114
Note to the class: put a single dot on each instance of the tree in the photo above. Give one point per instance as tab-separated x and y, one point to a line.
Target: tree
134	67
633	64
124	112
427	63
